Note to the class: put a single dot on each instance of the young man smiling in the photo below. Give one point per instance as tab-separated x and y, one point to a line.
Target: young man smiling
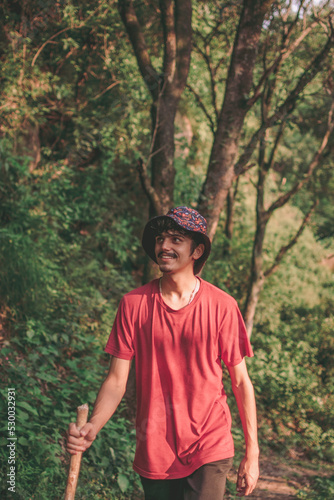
179	329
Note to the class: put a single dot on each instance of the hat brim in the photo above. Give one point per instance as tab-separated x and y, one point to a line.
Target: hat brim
148	242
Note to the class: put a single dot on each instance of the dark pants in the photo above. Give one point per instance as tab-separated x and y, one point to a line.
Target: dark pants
206	483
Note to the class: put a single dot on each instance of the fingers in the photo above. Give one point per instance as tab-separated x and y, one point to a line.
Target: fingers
88	432
73	430
79	441
241	485
246	488
250	485
247	479
240	480
245	485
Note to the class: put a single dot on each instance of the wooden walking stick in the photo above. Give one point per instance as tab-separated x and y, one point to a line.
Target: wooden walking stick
73	473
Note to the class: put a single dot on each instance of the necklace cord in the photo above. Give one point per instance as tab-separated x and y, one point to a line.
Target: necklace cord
193	293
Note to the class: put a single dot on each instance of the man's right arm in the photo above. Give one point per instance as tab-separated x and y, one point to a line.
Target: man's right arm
110	394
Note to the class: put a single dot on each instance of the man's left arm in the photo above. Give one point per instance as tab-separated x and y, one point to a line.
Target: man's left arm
244	393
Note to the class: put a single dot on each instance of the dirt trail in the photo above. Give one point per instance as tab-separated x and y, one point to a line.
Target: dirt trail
281	478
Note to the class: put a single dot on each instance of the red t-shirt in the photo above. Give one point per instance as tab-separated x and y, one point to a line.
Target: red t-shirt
183	420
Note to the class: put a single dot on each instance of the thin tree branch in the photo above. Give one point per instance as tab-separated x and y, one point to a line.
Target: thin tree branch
236	187
130	20
206	56
50	40
106	90
212	72
215	29
148	188
310	72
223	59
213	82
243	170
296	19
81	25
248	151
287	107
282	200
202	106
293	241
298	40
146	183
284	54
278	137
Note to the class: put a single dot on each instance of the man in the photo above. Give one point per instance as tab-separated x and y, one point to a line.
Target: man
179	328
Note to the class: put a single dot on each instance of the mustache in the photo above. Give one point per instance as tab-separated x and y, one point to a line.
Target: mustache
168	254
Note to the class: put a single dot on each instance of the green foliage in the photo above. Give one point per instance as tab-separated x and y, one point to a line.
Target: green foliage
66	258
322	489
62	279
292	370
291	394
47	371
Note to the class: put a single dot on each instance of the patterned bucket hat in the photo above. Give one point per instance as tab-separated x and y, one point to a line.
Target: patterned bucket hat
188	219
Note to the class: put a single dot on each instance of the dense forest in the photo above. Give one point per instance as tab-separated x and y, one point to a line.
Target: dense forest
113	112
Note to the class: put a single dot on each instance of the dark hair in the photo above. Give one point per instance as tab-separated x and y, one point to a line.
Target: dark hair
166	224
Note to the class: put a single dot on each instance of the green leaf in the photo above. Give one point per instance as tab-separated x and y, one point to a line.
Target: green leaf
23	441
30	334
24	404
123	482
112	452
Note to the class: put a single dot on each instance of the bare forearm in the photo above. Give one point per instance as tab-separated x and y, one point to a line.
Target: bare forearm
244	394
107	401
248	472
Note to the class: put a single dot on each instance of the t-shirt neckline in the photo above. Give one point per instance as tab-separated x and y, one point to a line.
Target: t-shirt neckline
183	309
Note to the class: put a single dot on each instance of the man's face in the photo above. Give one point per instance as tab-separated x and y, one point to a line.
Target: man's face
174	252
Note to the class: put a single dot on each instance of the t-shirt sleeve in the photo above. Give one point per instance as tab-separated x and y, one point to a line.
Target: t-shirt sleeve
120	342
234	342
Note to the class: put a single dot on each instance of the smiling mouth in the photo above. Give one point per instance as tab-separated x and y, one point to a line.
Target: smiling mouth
166	256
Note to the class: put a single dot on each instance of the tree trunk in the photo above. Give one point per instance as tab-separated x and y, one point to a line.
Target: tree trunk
220	173
257	278
162	162
166	90
229	225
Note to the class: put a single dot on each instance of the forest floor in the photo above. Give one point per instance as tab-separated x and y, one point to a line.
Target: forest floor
281	478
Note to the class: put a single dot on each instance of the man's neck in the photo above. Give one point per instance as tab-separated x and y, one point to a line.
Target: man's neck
179	285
